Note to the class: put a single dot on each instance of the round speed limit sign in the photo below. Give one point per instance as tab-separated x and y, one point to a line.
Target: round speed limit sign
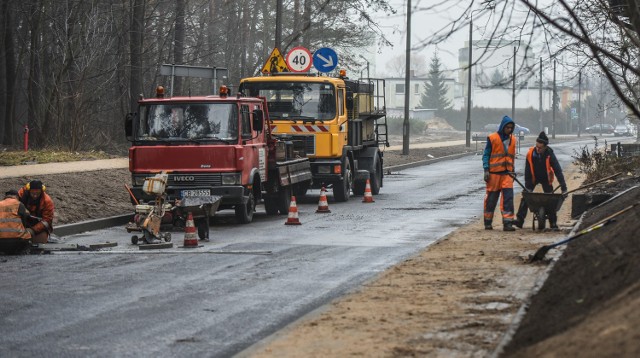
299	59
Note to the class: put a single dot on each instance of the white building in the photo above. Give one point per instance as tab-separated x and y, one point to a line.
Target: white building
395	94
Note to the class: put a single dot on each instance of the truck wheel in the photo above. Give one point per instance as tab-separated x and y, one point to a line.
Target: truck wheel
284	200
376	177
342	189
244	212
271	205
301	190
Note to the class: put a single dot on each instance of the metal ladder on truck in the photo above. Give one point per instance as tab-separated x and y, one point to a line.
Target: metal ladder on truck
380	106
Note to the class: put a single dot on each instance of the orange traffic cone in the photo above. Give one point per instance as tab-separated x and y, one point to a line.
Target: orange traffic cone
190	237
323	206
292	219
368	197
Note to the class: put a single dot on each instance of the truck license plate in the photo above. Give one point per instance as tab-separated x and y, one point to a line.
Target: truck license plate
196	192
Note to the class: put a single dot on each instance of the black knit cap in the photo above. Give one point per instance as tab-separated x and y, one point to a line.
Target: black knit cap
542	138
11	192
35	184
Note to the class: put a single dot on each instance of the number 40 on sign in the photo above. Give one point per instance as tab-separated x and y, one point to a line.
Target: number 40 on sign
299	59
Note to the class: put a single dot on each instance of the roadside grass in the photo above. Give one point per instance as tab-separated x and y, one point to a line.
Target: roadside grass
9	157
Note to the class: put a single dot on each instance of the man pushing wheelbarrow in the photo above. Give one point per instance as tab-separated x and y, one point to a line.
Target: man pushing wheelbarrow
542	168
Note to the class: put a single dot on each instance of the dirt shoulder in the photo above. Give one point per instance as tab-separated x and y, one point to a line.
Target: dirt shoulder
456	298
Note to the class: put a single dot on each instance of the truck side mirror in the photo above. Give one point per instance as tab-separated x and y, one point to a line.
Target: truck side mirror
258	120
128	125
349	99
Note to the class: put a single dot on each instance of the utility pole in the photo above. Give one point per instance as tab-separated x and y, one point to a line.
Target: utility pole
579	101
407	83
540	93
553	122
468	127
278	24
513	92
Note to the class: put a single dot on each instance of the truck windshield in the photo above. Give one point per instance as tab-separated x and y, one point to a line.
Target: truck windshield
305	101
188	121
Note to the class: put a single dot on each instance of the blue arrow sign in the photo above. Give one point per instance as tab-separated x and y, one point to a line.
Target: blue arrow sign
325	59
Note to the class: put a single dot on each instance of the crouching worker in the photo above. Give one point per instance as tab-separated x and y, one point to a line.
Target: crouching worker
40	205
541	168
13	234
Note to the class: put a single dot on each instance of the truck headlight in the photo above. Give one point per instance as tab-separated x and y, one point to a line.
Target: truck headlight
138	181
231	179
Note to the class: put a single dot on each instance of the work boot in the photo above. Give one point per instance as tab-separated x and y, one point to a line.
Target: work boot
554	226
518	223
508	226
487	225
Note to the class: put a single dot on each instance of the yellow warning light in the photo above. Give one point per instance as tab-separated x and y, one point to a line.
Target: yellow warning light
224	91
160	92
343	73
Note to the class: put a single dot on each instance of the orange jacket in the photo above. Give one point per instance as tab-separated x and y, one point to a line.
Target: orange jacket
11	226
550	172
42	208
501	161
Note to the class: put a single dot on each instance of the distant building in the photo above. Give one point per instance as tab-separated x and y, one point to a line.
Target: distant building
395	94
492	73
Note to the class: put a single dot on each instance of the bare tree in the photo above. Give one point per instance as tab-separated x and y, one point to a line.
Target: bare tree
600	36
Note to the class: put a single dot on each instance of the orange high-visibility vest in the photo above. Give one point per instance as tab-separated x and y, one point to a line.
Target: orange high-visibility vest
499	160
550	172
10	222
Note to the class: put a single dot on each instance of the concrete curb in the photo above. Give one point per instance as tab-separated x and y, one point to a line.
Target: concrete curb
427	161
89	225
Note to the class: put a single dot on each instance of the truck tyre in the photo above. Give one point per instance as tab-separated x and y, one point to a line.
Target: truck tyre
342	189
271	205
376	176
301	190
284	200
244	212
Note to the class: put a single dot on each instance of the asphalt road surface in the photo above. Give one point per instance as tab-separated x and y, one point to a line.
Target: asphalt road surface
250	281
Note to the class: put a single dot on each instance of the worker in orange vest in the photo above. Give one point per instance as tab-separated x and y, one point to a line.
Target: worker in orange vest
40	205
498	162
13	216
542	168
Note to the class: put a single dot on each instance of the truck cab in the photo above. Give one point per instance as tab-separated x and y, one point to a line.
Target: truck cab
339	124
208	146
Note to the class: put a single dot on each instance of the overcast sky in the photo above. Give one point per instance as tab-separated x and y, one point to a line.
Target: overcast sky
424	24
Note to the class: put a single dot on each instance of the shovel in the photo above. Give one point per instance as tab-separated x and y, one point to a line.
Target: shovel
539	255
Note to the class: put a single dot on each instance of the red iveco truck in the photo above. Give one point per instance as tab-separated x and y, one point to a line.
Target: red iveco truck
213	146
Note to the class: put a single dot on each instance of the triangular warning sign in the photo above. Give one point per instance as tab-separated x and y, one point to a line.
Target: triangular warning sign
275	63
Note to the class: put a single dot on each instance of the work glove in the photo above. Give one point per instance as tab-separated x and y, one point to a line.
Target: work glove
31	232
486	176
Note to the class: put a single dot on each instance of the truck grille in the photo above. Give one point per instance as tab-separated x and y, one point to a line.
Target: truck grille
199	180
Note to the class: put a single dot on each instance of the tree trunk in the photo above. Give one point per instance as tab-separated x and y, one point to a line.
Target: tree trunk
7	102
178	46
135	47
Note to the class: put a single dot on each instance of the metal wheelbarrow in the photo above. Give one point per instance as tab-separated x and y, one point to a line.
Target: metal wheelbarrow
541	205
